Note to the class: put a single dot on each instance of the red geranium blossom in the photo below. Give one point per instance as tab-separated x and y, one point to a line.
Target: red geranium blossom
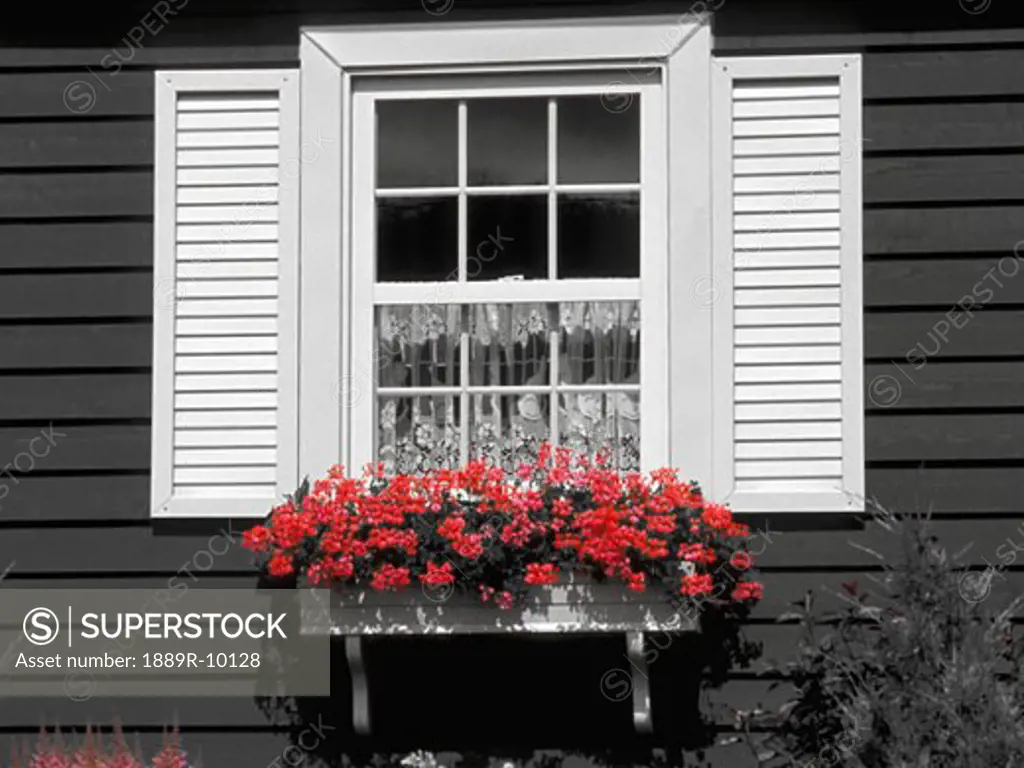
741	560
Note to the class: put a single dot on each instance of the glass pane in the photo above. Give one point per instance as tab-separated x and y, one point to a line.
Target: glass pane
416	434
507	141
508	237
599	235
602	421
599	342
417	143
508	429
597	145
509	345
417	346
417	238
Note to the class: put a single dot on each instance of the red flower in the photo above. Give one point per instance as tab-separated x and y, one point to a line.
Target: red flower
469	546
718	516
505	600
281	565
562	508
541	574
741	560
390	577
748	590
257	539
694	584
438	574
697	553
452	527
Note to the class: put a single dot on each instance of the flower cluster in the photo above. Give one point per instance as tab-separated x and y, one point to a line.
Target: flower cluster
482	530
51	751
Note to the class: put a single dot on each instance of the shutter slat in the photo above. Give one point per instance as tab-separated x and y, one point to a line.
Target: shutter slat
227	234
227	139
225	438
212	345
192	121
223	269
266	417
819	353
801	184
763	374
218	250
254	210
226	194
757	108
226	363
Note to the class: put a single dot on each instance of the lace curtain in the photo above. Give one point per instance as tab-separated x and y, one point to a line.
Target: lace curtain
509	346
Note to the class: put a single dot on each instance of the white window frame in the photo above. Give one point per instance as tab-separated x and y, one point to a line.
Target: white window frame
332	388
649	292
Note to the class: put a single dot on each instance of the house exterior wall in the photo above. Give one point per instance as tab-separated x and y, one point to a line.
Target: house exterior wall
943	210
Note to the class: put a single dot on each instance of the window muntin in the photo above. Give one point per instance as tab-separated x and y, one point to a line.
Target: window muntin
505	308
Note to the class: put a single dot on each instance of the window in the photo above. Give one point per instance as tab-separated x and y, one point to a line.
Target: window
503	237
444	241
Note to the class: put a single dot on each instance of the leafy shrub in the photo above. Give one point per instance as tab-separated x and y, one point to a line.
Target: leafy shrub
926	675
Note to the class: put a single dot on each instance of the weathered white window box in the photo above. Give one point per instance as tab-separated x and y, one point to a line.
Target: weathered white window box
578	607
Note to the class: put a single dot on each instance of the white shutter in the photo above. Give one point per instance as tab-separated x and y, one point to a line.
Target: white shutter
225	292
787	328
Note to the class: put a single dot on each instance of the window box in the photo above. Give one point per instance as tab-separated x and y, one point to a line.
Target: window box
578	606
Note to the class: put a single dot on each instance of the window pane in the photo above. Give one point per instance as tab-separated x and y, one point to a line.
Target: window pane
509	345
507	141
508	236
417	346
599	342
508	429
417	143
417	238
416	434
595	144
602	421
599	235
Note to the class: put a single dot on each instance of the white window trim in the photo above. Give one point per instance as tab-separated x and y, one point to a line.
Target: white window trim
331	60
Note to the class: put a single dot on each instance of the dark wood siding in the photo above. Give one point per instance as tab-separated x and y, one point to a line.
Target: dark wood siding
944	203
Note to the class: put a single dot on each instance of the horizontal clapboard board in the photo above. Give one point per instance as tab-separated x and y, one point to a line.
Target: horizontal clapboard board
227	225
787	248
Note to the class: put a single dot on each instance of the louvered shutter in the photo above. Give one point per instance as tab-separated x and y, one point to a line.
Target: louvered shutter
225	292
787	327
